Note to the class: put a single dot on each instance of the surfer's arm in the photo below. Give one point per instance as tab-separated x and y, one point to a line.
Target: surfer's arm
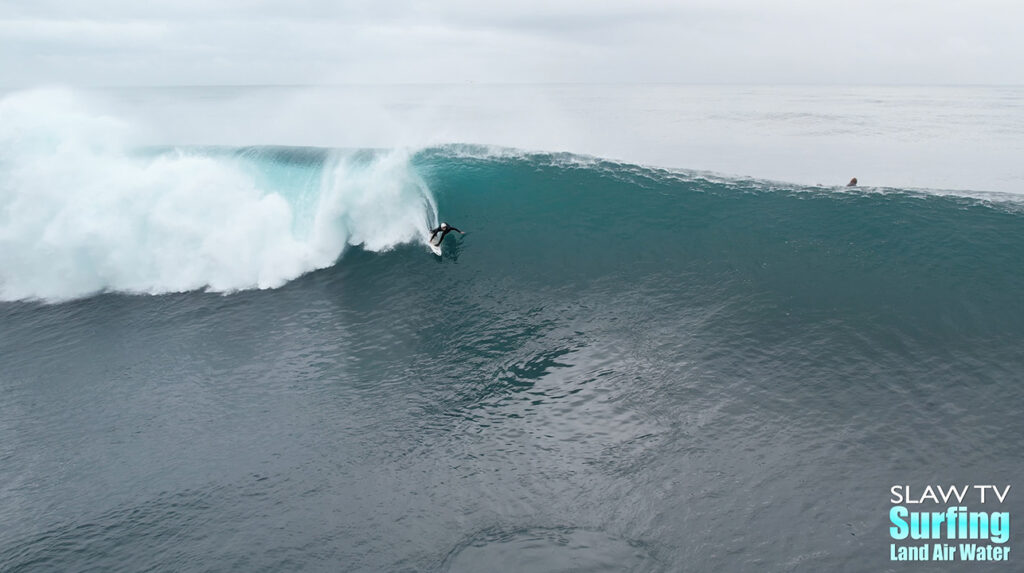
456	230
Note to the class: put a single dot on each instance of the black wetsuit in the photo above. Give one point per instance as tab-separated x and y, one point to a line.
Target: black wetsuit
443	232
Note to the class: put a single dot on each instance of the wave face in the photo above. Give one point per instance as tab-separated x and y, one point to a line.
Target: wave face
944	263
82	210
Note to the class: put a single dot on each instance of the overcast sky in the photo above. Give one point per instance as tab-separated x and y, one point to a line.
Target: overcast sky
196	42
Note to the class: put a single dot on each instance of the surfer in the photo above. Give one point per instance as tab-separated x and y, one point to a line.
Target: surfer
852	183
444	229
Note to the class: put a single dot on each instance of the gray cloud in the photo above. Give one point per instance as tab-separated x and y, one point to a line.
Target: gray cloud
115	42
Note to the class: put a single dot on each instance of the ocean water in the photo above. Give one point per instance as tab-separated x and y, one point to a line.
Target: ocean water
224	345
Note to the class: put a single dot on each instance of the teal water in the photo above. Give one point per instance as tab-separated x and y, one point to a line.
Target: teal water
616	368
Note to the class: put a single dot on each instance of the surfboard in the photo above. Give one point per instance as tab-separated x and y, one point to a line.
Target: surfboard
435	248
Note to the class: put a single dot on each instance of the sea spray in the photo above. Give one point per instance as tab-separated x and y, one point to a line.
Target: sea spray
83	210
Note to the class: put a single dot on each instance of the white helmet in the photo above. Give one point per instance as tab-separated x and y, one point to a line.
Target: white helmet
444	226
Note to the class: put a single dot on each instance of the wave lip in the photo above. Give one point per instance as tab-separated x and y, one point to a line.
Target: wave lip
82	211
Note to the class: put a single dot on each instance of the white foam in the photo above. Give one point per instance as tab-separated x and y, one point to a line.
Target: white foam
81	213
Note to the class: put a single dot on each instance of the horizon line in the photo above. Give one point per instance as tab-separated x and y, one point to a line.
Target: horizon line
42	85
